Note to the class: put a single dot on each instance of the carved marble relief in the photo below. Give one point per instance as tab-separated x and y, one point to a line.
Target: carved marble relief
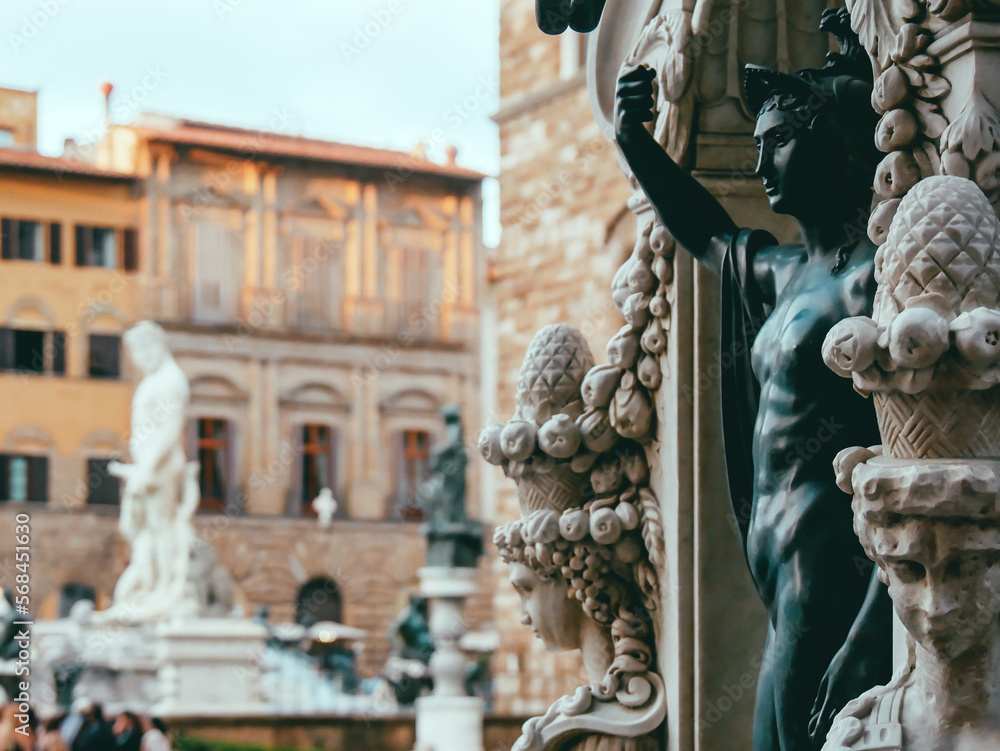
585	553
926	501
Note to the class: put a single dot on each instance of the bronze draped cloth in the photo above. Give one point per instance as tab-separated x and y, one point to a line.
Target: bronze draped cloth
743	314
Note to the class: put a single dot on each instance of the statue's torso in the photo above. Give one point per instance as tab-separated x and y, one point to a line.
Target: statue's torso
806	412
159	400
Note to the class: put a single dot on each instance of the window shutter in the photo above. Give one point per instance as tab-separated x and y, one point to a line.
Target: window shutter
4	477
59	352
7	239
55	243
38	479
131	249
296	502
397	500
335	485
7	349
231	486
81	249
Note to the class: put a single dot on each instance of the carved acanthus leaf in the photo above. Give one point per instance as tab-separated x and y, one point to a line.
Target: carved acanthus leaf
877	23
976	131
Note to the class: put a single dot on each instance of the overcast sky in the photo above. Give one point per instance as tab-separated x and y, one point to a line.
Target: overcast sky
384	73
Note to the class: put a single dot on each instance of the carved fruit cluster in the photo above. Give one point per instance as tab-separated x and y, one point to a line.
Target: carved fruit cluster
623	389
909	92
908	95
937	309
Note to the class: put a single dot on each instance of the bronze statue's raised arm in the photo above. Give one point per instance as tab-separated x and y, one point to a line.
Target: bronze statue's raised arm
689	212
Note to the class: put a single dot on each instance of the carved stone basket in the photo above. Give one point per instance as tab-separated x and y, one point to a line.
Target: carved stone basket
930	356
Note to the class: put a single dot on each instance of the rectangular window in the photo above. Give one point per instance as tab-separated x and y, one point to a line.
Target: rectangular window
213	458
27	351
102	488
105	356
317	464
24	478
96	246
55	243
22	240
6	138
412	472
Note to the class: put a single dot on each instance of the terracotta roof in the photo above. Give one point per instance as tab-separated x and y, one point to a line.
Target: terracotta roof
250	143
32	160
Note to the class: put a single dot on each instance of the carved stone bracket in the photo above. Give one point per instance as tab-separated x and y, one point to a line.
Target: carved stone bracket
589	542
640	707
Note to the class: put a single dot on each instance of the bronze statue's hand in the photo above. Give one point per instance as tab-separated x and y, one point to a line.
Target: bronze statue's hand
847	678
634	103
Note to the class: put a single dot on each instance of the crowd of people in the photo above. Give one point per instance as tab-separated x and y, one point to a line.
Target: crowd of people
84	728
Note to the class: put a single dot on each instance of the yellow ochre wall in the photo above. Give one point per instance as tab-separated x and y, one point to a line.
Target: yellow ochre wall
57	415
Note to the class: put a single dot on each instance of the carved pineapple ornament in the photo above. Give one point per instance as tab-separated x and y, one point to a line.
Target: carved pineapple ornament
931	353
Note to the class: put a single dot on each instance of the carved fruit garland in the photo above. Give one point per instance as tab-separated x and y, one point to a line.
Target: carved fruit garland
641	287
909	91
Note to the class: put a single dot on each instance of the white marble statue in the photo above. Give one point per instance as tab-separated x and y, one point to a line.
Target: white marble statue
325	506
161	486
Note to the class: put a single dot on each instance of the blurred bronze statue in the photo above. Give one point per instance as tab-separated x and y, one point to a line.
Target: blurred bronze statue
785	414
452	538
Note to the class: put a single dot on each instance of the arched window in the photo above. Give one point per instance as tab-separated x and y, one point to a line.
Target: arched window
318	600
72	593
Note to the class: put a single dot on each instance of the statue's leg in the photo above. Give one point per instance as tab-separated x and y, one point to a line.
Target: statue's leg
765	723
169	559
818	600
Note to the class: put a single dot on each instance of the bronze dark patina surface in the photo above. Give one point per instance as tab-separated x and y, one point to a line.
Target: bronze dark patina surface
785	414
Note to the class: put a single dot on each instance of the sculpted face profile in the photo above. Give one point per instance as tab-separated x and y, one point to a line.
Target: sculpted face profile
829	633
546	608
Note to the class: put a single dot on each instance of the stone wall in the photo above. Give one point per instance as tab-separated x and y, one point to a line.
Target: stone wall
393	733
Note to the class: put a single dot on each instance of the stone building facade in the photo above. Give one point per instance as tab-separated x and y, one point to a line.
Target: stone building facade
322	300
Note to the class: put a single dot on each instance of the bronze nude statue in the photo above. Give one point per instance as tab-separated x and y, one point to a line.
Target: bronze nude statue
785	414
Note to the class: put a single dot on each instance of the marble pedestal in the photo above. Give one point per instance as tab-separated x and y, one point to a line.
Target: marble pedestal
210	666
184	667
448	720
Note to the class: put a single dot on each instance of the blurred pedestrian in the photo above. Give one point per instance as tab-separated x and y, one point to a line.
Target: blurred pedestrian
127	731
49	736
95	733
154	737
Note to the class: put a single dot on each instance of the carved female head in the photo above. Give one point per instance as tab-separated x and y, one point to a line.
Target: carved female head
934	532
944	579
